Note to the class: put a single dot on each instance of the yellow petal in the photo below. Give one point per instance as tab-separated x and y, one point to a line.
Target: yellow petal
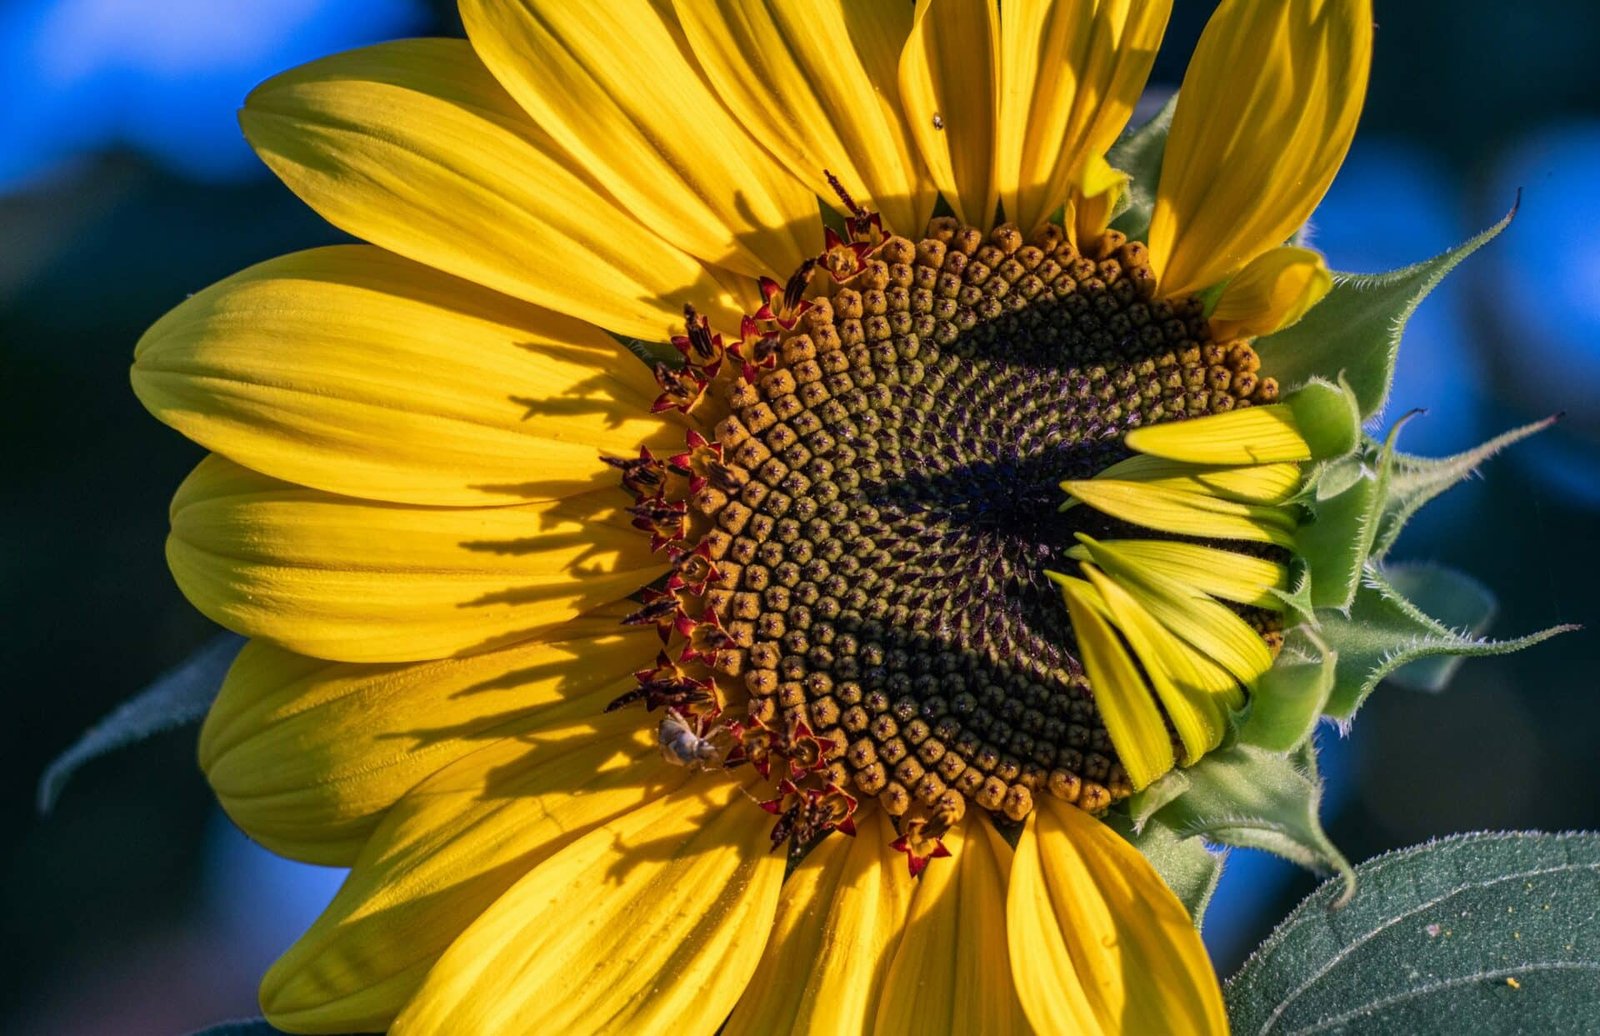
1092	202
653	922
949	84
814	80
616	86
1214	629
1070	74
1211	570
1272	292
838	922
1250	483
352	370
356	581
413	146
952	970
1188	514
1135	724
1266	113
445	853
1254	435
1191	670
1196	715
1099	944
305	755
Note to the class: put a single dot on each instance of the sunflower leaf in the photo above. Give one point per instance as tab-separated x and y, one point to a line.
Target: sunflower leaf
1356	329
1138	154
178	696
1490	932
1417	480
1189	868
1252	798
1384	631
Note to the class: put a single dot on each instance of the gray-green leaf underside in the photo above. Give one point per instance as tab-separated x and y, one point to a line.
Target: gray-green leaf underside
180	695
246	1027
1493	933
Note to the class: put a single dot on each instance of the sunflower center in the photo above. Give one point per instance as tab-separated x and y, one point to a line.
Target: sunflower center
861	549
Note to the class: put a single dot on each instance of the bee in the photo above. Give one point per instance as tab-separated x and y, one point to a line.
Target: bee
938	121
683	742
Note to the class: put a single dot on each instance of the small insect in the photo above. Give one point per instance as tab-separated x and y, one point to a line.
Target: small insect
683	741
938	121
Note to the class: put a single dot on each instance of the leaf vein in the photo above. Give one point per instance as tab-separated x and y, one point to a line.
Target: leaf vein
1350	947
1449	983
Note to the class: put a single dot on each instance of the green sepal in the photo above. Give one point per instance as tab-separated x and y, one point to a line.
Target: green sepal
1251	798
1427	618
1138	154
1147	802
1330	478
1356	328
1452	598
1347	499
1297	599
1289	698
1384	631
652	353
1336	541
1416	480
1189	868
1327	416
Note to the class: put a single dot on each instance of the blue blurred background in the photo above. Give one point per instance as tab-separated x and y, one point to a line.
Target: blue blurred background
124	185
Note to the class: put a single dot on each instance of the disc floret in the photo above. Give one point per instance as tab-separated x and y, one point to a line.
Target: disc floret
861	525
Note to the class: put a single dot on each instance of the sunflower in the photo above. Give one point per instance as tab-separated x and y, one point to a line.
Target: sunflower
684	604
